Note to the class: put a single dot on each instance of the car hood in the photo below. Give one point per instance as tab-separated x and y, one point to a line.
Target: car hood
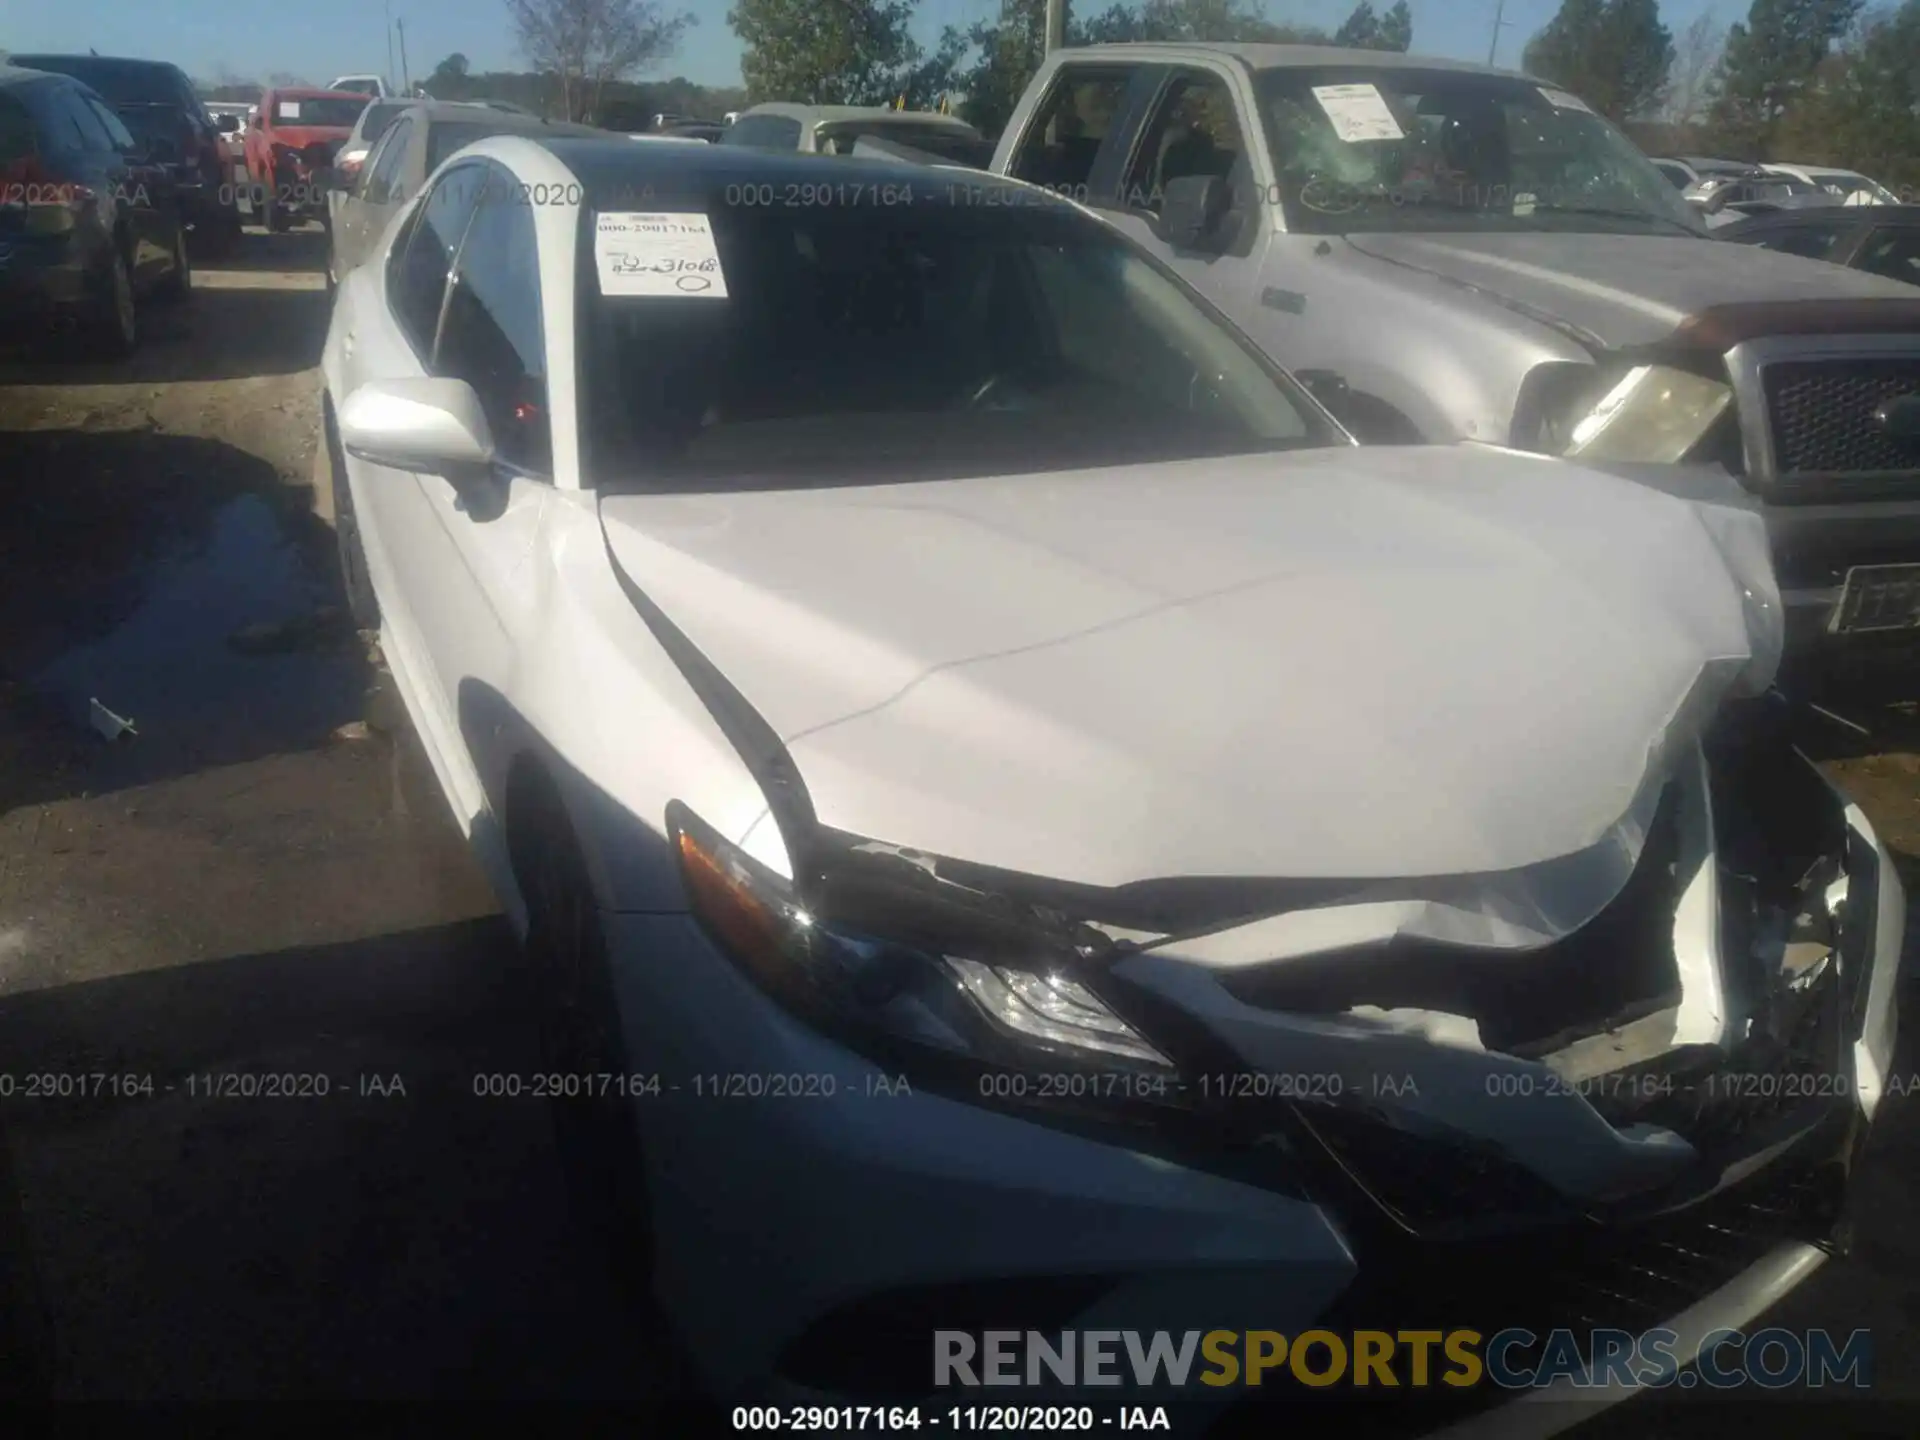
1334	663
1622	290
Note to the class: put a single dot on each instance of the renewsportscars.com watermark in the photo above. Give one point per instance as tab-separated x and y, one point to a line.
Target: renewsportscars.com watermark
1513	1359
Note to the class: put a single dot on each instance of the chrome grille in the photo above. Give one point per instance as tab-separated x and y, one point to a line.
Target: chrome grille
1820	414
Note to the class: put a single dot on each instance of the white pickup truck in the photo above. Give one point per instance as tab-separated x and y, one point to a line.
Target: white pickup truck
1448	252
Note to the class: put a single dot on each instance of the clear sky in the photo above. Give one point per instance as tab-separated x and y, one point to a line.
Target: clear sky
318	41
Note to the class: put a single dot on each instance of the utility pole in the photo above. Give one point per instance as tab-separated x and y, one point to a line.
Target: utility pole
1056	24
406	80
1499	20
389	13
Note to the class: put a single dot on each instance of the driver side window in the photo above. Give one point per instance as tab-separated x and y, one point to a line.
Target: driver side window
1194	132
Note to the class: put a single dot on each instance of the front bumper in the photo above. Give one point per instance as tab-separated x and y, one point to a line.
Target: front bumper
1815	545
811	1242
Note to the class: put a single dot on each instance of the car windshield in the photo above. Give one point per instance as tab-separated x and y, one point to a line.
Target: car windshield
139	82
332	111
446	136
948	142
1361	149
862	343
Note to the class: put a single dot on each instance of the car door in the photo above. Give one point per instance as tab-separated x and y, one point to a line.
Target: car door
1193	131
388	324
482	598
1076	140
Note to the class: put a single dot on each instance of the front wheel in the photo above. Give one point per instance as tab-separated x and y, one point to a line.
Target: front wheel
566	969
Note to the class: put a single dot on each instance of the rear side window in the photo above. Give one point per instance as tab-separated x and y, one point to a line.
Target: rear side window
764	132
419	283
385	164
379	118
16	131
1064	137
446	136
1815	242
492	337
121	137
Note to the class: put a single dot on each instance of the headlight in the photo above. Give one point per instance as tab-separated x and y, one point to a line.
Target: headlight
925	987
1655	414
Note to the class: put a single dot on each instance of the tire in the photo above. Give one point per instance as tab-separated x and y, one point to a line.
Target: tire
179	282
569	981
362	603
112	328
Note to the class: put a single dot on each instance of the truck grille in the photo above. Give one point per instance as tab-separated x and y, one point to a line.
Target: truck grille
1821	414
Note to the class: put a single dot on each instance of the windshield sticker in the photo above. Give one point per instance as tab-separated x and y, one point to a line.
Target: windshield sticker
289	109
1561	100
641	254
1358	113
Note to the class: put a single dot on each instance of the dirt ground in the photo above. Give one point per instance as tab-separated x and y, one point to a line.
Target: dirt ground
261	879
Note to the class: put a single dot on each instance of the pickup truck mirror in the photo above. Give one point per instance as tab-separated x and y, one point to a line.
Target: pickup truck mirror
1191	209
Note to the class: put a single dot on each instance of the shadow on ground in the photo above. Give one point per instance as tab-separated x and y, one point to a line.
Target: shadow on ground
371	1230
176	581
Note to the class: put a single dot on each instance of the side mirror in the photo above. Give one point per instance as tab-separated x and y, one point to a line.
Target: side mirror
329	177
1191	210
429	424
226	124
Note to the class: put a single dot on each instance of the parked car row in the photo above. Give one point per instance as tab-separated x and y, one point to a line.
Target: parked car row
91	223
917	649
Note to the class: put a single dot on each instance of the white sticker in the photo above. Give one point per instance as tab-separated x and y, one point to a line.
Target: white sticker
1358	113
639	254
1561	100
289	109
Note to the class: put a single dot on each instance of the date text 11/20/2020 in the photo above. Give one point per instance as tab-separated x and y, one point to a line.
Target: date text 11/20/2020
962	1419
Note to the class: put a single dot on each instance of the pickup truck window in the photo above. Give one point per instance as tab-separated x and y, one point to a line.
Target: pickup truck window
1193	132
1474	152
340	111
1068	129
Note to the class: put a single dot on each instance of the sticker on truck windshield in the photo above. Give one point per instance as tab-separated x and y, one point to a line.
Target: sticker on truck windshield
1358	113
1561	100
640	254
289	109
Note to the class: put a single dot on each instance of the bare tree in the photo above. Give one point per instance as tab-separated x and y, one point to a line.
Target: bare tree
1696	59
585	43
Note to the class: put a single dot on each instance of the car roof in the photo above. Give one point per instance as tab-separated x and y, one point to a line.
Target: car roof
1261	56
615	166
829	114
22	61
314	92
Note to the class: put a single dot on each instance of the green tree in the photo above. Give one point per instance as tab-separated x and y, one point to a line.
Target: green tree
1862	112
1005	53
845	52
1365	29
1770	61
450	78
1614	54
585	44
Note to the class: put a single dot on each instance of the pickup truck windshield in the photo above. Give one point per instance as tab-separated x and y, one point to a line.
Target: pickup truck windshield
1361	150
863	344
329	111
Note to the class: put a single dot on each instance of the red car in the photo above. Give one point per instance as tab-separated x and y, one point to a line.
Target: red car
290	140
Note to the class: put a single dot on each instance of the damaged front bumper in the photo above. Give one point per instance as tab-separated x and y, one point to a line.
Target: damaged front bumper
1472	1118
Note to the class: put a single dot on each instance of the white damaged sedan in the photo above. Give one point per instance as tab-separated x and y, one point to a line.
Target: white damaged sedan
1017	820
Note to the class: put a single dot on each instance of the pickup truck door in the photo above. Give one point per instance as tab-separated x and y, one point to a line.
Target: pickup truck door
1199	122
